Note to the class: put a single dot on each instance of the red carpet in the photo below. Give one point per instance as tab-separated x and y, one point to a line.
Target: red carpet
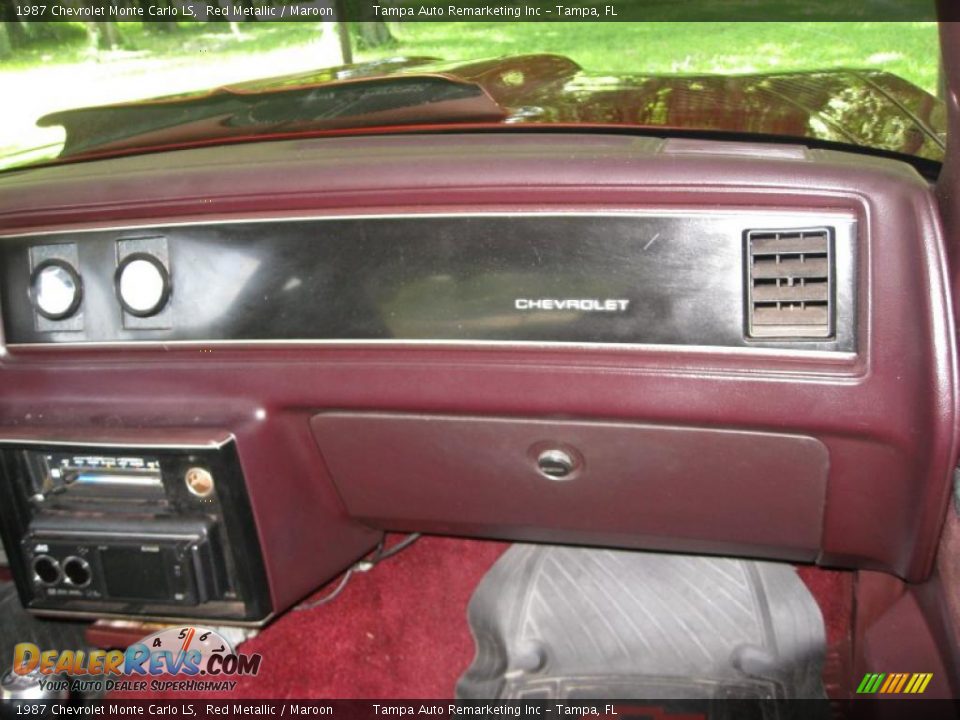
833	591
398	631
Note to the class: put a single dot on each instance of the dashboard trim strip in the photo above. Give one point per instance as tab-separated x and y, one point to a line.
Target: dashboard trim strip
841	356
211	445
846	216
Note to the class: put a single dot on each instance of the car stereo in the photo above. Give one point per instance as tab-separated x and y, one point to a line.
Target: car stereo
132	531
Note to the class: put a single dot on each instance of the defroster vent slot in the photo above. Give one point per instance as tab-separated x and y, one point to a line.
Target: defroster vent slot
790	292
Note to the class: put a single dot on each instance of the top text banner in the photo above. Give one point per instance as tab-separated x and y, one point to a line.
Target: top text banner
478	10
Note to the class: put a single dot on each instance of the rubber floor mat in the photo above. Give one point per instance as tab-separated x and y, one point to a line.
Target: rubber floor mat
18	626
574	623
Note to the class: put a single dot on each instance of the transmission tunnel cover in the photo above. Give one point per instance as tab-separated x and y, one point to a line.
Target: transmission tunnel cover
572	623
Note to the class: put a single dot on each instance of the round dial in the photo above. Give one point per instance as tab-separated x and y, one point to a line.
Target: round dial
143	284
56	289
185	638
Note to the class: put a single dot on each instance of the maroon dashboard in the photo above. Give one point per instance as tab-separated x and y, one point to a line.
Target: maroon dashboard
598	339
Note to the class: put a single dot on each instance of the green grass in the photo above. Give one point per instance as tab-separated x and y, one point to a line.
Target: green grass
68	44
908	49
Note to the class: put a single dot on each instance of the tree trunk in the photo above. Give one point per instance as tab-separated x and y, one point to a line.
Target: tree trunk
374	34
220	22
109	35
5	47
157	28
93	37
346	47
371	33
102	36
16	34
343	31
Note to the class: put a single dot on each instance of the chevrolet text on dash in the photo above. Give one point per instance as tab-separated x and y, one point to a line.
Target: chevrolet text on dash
582	304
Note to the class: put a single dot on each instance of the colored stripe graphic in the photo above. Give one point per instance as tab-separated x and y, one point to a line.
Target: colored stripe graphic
894	683
870	683
892	680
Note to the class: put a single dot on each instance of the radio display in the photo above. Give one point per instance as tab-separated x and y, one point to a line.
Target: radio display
130	572
65	479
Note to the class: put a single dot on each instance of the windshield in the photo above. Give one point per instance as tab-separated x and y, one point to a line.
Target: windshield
872	85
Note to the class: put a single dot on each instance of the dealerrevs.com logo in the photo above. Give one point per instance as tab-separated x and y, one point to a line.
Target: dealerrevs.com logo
177	658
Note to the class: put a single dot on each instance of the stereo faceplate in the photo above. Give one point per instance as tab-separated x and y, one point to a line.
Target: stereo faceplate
177	562
108	531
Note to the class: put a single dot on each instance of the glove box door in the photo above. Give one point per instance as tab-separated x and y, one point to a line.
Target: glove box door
606	483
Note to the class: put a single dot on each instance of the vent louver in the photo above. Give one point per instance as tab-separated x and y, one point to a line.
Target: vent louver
789	284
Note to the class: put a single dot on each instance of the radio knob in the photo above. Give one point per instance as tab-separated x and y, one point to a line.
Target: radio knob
142	284
199	481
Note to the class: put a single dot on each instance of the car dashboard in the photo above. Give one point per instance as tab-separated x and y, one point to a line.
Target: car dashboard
254	360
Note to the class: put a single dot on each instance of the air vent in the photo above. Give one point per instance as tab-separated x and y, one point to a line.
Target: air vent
789	284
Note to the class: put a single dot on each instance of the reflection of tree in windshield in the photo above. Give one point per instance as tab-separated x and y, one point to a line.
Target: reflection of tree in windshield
351	99
871	109
224	113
